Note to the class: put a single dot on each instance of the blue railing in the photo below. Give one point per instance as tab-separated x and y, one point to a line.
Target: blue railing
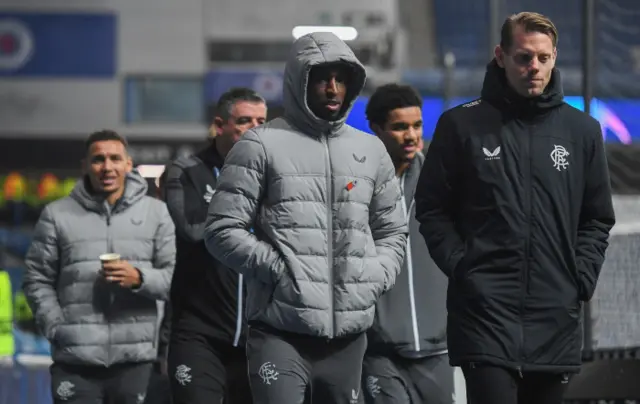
25	379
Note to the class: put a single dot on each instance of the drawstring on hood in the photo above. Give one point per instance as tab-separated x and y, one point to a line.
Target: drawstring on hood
135	188
496	89
312	50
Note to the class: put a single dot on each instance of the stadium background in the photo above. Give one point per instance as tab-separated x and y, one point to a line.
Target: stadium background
151	69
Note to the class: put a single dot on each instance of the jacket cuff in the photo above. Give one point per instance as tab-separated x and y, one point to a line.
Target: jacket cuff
148	284
141	279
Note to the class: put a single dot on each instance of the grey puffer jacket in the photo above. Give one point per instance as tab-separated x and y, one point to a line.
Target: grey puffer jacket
88	320
329	232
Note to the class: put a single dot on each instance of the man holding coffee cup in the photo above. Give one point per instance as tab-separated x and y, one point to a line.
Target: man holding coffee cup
99	260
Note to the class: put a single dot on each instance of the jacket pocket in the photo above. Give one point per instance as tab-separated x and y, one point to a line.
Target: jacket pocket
585	293
459	271
259	297
60	338
54	333
380	283
287	290
278	270
576	278
575	310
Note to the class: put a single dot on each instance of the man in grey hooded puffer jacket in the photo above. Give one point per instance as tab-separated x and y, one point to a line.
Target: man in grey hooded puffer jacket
328	237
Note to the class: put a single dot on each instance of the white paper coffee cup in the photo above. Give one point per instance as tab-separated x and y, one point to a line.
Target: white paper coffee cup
109	257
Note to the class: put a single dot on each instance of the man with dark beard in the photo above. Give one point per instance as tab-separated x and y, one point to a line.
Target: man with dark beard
329	233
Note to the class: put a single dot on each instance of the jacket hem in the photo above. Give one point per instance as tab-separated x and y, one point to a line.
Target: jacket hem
287	332
187	331
72	361
404	350
462	361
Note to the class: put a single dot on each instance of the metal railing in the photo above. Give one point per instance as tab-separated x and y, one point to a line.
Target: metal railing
25	379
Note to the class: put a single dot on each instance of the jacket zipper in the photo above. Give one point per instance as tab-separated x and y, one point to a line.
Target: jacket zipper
409	259
239	308
527	248
111	297
325	140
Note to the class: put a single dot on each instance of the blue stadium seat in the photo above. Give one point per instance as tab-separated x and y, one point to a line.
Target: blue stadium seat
462	28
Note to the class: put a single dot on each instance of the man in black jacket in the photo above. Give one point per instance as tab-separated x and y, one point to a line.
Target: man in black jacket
207	360
406	359
515	205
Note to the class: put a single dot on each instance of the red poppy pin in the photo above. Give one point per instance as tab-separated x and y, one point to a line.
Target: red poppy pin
351	185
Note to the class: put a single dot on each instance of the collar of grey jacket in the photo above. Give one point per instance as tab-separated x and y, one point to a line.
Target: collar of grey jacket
135	189
309	51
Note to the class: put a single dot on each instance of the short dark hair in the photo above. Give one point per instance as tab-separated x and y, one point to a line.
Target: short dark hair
531	22
102	135
231	97
388	97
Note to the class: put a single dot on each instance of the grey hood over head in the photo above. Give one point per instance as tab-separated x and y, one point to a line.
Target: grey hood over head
309	51
322	250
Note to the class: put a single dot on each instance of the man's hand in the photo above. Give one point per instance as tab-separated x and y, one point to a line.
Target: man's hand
122	273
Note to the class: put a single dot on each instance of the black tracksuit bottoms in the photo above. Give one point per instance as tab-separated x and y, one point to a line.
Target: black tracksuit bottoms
393	379
287	368
495	385
118	384
205	370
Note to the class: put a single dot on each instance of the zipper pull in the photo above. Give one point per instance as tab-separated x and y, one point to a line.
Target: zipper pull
520	373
